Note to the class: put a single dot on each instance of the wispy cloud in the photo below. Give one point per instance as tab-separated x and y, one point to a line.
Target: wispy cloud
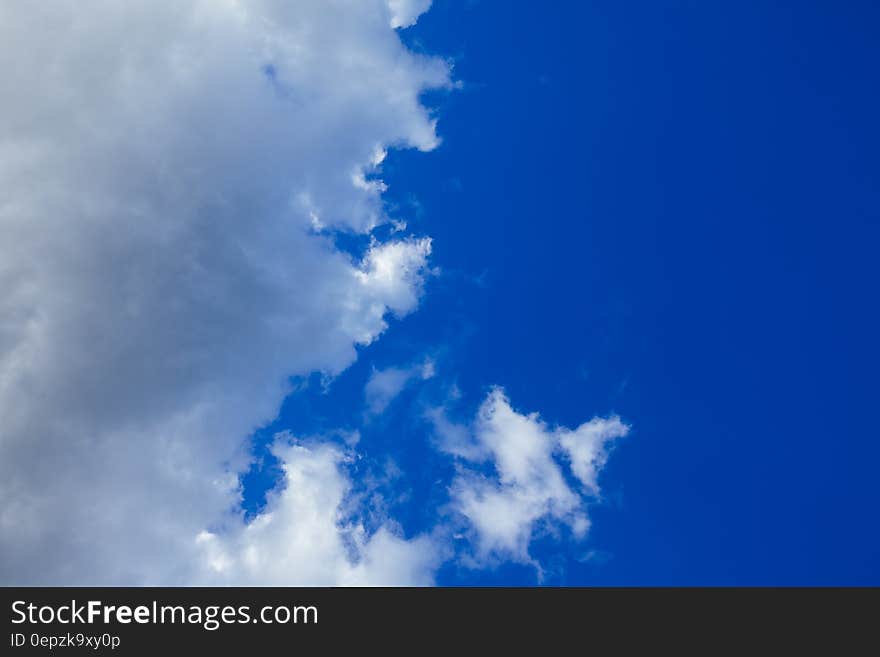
384	385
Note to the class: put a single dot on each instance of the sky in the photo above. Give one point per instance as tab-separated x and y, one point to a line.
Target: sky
454	293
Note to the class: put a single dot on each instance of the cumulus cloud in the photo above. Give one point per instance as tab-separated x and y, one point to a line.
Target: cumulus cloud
526	489
512	484
172	173
167	168
406	12
311	534
384	385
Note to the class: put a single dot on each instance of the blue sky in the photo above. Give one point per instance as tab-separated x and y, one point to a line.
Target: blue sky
266	275
667	211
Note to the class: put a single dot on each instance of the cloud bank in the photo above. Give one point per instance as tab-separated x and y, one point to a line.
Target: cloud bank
163	166
172	173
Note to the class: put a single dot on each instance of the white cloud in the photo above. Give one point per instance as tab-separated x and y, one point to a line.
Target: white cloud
384	385
406	12
304	537
454	438
316	530
586	448
163	166
167	168
527	490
